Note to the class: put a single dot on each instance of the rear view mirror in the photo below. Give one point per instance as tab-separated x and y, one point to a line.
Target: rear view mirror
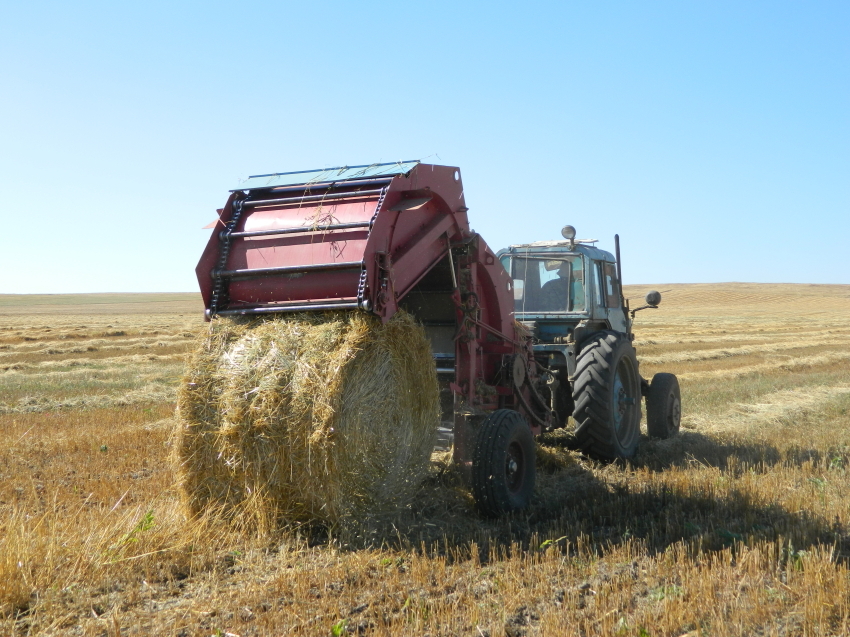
653	298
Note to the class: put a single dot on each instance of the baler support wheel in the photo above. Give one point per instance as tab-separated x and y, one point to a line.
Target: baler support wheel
503	464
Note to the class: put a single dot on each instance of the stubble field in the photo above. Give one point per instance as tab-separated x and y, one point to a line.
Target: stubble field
739	526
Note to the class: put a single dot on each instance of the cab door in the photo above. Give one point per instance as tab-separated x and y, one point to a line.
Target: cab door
609	297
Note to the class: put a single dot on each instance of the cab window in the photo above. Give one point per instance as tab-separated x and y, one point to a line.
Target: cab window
610	285
594	284
548	285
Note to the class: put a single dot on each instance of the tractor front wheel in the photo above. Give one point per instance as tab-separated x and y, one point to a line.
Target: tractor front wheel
503	469
663	406
606	393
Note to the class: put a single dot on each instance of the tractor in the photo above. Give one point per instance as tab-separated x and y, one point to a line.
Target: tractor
569	296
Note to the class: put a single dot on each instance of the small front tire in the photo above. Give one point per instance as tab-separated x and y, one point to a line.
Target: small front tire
663	406
503	464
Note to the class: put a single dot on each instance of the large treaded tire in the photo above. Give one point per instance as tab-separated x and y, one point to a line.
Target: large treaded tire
663	406
607	396
503	464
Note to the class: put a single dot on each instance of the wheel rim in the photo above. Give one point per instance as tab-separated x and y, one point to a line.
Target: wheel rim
674	412
514	467
624	401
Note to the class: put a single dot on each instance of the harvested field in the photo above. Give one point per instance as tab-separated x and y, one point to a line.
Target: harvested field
739	526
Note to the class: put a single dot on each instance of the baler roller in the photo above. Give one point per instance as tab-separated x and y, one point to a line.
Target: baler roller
313	307
308	198
325	228
324	185
288	269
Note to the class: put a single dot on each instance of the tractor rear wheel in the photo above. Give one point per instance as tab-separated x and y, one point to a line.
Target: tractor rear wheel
663	406
503	469
606	392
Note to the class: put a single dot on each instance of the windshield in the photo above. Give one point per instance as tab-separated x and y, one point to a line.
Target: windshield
547	284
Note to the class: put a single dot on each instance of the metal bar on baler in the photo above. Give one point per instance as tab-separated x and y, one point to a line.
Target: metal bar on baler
332	226
327	184
452	264
291	308
284	269
325	197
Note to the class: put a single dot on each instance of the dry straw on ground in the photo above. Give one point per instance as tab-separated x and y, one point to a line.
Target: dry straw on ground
739	526
306	418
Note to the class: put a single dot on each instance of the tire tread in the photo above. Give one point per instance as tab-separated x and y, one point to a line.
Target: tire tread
593	377
656	405
494	435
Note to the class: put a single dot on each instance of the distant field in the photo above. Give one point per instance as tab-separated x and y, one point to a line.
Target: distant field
175	303
729	301
739	526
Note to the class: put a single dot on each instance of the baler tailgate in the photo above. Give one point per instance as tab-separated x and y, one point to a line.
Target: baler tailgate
290	253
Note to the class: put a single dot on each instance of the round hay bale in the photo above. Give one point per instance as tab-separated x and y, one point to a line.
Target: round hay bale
306	417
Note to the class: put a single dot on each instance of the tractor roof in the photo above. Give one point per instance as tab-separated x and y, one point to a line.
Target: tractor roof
583	246
551	244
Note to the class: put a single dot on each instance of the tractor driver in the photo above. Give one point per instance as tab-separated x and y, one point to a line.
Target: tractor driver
566	293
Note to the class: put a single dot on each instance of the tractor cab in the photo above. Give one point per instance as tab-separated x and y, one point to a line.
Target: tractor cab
563	292
568	295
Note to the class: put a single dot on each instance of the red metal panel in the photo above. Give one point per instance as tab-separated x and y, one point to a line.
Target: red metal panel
268	218
314	286
301	249
404	234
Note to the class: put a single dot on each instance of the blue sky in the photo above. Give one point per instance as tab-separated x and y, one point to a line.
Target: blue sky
714	137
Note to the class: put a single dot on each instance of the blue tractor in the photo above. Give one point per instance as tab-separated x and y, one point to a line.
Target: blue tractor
568	294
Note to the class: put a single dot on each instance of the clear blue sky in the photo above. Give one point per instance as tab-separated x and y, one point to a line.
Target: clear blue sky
714	136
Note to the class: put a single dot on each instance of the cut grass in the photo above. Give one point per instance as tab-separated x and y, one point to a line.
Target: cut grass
90	383
738	526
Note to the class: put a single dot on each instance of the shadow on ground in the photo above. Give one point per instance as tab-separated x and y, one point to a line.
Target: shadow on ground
606	508
730	453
